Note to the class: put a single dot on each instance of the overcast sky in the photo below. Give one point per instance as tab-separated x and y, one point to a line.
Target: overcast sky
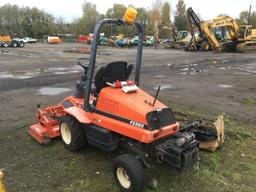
208	9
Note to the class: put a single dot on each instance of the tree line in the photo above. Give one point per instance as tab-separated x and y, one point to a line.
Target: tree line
24	21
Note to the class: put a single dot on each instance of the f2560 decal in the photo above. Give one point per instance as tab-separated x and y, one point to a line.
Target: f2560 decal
128	121
137	124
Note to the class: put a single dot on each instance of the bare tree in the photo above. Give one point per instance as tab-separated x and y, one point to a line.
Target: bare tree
156	19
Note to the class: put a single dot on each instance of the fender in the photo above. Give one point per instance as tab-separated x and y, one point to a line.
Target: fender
79	114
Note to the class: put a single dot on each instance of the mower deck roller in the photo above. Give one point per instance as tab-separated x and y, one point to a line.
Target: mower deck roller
108	110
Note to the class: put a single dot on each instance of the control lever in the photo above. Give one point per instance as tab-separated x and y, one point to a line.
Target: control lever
78	62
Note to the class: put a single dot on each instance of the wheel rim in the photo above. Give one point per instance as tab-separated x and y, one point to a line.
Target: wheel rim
123	177
65	132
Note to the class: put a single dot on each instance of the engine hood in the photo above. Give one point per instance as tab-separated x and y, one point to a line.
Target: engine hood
133	106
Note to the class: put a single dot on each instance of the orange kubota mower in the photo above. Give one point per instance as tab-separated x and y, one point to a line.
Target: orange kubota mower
109	110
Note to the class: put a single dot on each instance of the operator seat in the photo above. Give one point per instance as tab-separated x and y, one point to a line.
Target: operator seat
114	71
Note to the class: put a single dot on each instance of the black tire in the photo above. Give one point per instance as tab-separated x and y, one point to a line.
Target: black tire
186	49
21	44
14	44
205	46
72	134
133	172
5	45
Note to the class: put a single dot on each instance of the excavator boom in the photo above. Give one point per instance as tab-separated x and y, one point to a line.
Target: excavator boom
221	33
205	33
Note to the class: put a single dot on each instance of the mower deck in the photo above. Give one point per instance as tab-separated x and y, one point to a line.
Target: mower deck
47	126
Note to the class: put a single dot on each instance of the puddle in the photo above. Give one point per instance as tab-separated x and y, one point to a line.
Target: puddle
64	70
214	61
184	69
251	71
23	54
194	64
4	51
27	74
187	73
242	73
80	50
104	53
52	90
159	76
85	50
19	74
165	87
192	69
226	86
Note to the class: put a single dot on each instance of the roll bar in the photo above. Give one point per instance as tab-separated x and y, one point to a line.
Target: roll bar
90	72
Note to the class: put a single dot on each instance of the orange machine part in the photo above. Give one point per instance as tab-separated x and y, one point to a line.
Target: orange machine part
47	126
133	106
114	101
111	101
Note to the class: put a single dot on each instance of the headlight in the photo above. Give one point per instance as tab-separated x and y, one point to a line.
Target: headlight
181	141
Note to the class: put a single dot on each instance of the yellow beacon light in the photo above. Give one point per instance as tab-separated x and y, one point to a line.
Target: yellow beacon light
130	15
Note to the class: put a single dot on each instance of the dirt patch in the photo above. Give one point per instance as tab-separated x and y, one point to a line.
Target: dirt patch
32	167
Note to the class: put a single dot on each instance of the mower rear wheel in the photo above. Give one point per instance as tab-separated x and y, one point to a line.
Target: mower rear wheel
129	173
71	133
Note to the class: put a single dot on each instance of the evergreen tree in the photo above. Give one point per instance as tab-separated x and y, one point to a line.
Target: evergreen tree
180	19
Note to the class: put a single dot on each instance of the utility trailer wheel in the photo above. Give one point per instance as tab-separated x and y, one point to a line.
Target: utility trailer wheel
14	44
5	45
129	173
72	134
21	44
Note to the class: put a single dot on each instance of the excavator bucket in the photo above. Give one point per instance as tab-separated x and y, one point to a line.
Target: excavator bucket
2	188
213	145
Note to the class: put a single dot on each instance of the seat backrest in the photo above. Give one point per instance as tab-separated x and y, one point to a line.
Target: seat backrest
114	71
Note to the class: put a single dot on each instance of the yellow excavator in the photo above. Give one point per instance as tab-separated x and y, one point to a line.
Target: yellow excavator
179	38
202	37
220	34
233	37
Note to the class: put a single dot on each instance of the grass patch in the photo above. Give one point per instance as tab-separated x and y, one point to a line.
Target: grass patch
249	101
79	185
215	160
252	167
70	166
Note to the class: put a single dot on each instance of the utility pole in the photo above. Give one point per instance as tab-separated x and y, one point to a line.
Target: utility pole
249	15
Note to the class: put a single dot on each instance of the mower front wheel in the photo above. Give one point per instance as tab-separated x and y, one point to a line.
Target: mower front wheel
72	134
129	173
